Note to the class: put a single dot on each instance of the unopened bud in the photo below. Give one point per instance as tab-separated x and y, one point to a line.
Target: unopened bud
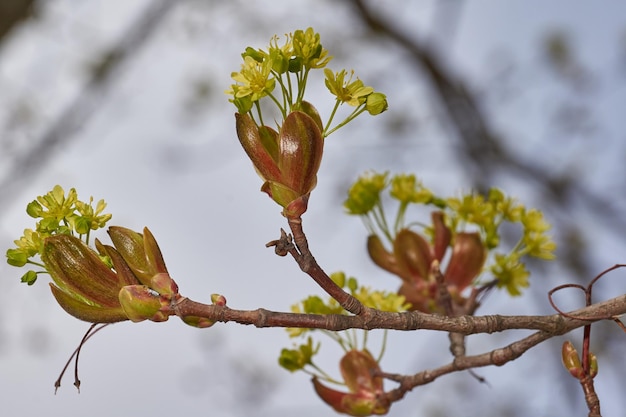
142	303
376	103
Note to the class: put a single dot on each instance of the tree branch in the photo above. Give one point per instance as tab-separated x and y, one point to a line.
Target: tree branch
551	325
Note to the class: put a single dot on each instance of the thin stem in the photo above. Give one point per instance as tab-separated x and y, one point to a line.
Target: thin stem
348	119
330	119
400	216
90	332
283	111
383	346
309	265
258	110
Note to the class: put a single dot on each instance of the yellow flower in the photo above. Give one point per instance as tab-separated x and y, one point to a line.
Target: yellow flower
57	204
28	245
254	79
350	92
307	47
364	194
87	218
408	189
280	55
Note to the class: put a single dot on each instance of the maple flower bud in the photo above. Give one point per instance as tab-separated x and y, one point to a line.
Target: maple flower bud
143	256
376	103
288	160
141	303
571	361
366	396
593	365
82	284
310	110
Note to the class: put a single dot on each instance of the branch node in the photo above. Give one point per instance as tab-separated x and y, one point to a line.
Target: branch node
282	246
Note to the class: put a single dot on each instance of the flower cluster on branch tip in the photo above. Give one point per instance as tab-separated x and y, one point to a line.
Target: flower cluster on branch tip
469	225
287	155
100	283
358	367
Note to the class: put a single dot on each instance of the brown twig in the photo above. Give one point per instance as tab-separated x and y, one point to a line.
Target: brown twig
497	357
307	263
586	378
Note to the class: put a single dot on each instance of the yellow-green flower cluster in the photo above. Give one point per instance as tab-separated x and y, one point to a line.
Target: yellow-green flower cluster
484	214
353	93
281	72
365	199
296	359
300	358
380	300
364	195
58	213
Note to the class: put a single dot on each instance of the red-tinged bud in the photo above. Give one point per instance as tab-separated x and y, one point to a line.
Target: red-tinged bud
87	312
442	235
467	260
296	208
143	256
294	204
300	147
571	361
593	365
413	255
141	303
199	322
124	274
261	145
366	396
381	256
218	300
82	284
310	110
203	322
287	161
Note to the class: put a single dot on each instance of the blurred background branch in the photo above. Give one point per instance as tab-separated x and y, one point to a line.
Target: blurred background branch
13	13
29	163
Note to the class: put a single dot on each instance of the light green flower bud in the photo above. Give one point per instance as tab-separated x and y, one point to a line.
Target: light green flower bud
376	103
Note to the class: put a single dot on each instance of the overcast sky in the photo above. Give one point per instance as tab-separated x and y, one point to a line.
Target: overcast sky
166	157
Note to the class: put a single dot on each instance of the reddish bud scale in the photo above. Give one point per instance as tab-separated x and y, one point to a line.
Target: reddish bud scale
366	396
413	259
287	161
